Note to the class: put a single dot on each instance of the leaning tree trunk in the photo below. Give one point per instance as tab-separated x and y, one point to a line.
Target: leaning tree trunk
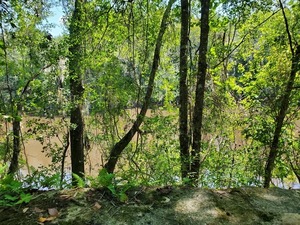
121	145
200	89
14	164
296	170
183	90
280	118
283	105
76	88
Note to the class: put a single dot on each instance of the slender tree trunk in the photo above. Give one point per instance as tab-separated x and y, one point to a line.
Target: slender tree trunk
280	118
285	100
7	148
121	145
14	164
183	90
76	88
200	89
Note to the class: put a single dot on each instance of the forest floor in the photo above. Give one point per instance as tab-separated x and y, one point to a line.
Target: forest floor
158	206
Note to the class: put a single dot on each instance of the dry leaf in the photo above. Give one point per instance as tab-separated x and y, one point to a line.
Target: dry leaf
65	196
38	210
53	212
97	205
44	219
25	210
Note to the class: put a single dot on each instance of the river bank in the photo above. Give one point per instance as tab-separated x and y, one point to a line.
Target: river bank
156	206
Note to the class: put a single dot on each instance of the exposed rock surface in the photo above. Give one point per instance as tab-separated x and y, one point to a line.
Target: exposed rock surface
159	206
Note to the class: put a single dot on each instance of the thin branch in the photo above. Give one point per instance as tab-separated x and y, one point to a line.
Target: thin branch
34	77
243	39
287	27
65	145
104	32
25	154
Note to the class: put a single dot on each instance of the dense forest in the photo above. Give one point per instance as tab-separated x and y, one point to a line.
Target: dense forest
201	93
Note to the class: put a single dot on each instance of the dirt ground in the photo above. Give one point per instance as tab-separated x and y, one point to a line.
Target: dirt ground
158	206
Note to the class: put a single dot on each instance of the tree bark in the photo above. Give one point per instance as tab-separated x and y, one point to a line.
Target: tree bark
183	90
76	88
121	145
200	89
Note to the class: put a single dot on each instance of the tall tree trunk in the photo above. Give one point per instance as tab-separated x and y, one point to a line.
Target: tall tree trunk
76	88
183	90
121	145
14	164
200	89
285	100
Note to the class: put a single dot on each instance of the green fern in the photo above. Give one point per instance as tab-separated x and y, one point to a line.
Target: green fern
79	181
105	179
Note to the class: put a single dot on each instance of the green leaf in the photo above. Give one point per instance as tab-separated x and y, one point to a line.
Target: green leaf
25	197
112	189
123	197
10	197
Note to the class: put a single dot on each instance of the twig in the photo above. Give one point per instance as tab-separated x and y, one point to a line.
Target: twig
66	146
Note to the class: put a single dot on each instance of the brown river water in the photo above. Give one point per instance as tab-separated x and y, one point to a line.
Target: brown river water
32	150
34	154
